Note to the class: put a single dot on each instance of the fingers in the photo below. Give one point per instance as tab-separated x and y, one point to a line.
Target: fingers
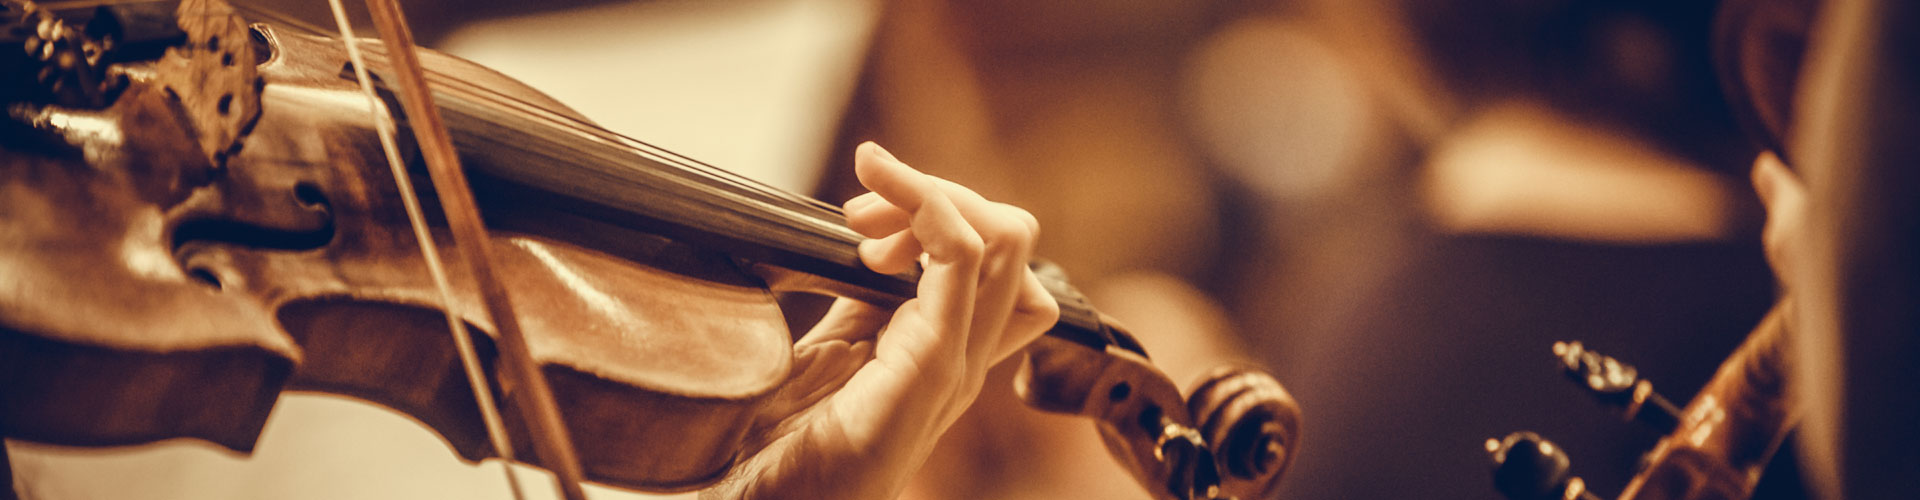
976	301
1003	273
948	286
1007	232
846	320
1033	314
873	217
1771	179
943	232
894	254
971	202
1009	307
1784	197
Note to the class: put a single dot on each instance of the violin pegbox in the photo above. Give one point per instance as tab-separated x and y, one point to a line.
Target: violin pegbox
59	63
212	77
1234	437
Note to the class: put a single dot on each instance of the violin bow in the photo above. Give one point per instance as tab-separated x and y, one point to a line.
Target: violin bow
534	402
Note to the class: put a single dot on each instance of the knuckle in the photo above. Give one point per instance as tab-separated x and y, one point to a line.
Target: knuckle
1031	223
1047	310
969	247
1011	233
1003	237
1035	314
965	247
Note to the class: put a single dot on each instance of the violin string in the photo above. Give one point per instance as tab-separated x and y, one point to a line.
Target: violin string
273	17
81	4
463	342
638	146
722	189
579	126
826	218
823	215
821	209
533	396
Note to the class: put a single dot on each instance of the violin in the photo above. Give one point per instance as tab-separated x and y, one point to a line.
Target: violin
206	206
1715	448
1719	443
1833	97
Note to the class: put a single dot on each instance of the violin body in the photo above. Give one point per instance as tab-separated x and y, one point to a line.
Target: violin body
103	338
223	227
300	241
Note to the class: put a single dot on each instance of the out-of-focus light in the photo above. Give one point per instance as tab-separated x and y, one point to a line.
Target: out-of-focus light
1281	111
1521	169
756	87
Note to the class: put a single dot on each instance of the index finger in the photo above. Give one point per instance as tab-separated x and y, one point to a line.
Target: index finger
936	221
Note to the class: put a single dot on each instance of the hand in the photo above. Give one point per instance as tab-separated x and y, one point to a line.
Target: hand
1785	198
978	303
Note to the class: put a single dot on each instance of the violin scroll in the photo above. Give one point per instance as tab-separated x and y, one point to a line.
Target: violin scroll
1253	425
1233	437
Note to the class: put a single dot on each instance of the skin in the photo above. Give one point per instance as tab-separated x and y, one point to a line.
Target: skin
978	304
1785	198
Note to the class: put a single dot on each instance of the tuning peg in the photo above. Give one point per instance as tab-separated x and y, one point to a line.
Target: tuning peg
1529	467
1617	385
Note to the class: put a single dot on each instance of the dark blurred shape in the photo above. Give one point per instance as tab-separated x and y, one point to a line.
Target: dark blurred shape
1448	350
1639	65
1757	48
1529	467
1623	219
1857	287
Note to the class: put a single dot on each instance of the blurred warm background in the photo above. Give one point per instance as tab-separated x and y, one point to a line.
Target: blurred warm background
1396	206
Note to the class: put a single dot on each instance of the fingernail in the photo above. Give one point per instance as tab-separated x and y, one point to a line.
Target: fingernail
877	148
858	202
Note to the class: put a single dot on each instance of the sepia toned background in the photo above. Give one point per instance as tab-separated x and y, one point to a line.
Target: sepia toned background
1395	206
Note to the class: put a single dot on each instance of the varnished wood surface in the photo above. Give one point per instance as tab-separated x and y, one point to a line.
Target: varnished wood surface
1732	428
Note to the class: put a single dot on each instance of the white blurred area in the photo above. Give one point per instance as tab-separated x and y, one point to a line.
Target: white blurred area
753	86
1282	112
1521	168
1305	116
314	447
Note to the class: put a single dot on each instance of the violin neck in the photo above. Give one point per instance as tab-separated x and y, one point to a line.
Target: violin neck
589	172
